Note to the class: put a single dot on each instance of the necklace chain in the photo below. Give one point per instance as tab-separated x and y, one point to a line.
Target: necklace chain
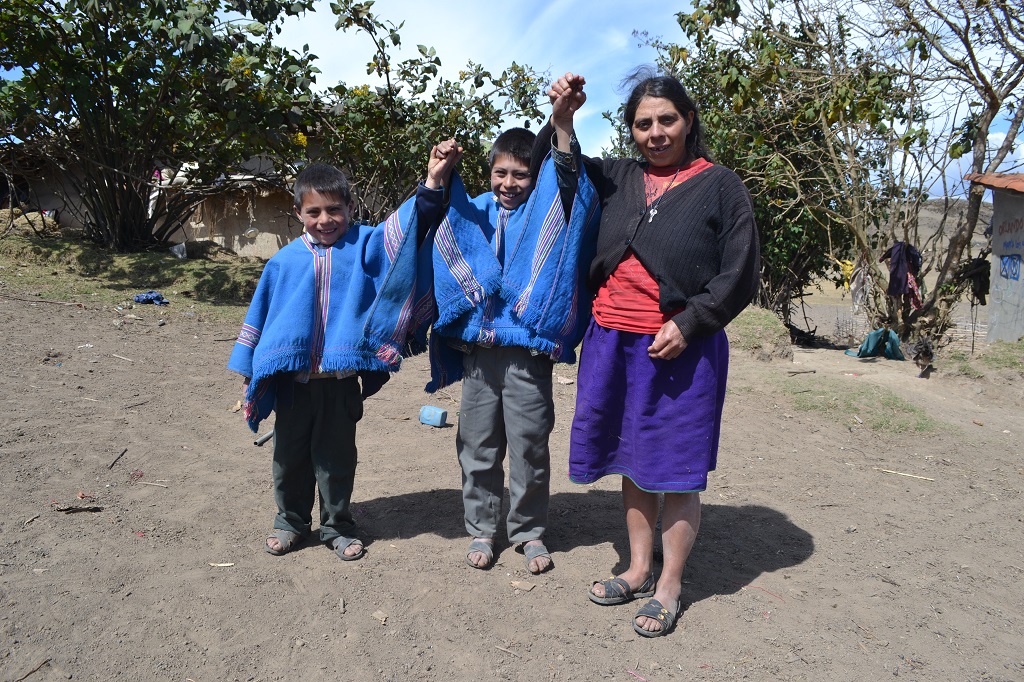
650	190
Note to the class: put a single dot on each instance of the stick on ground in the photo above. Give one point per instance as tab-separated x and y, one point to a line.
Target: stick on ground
111	465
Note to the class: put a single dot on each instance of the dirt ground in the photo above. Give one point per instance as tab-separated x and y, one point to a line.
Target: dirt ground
135	506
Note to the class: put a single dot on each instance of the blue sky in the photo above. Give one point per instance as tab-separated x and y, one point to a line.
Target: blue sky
592	38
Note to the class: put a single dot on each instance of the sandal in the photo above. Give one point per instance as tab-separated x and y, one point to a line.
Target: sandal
485	547
534	551
341	543
288	540
654	609
617	591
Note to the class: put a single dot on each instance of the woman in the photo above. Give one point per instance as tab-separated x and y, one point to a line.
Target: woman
677	259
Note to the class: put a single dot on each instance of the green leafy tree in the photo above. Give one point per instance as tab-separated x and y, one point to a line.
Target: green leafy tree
146	107
111	92
804	115
382	135
838	116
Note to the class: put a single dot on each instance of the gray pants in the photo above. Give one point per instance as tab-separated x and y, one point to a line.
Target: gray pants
506	406
315	447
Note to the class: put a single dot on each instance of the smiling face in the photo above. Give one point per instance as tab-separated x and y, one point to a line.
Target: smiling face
660	132
510	181
325	217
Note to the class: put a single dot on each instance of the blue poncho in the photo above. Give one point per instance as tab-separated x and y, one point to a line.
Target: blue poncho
524	287
356	306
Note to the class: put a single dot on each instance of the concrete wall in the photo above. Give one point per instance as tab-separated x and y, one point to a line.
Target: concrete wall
1006	302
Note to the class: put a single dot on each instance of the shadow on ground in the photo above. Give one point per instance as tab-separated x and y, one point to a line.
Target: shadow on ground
734	547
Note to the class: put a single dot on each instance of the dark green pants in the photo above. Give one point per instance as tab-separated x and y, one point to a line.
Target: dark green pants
315	447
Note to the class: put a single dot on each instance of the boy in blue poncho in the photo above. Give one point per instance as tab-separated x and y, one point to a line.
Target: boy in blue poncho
339	304
511	302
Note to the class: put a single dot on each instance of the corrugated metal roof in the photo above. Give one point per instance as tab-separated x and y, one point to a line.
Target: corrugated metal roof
1011	181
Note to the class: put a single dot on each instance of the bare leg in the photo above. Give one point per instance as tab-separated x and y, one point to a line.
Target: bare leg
641	519
680	520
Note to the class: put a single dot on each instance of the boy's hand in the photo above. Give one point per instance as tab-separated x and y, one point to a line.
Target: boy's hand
443	158
567	96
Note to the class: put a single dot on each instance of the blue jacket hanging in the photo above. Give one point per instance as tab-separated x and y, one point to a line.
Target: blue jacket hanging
530	291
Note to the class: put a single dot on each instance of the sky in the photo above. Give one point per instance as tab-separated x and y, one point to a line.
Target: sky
593	38
590	37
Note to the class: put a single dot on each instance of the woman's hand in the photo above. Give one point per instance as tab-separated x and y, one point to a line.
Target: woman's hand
567	96
668	342
443	158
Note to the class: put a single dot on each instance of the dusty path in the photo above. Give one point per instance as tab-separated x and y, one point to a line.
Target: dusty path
812	562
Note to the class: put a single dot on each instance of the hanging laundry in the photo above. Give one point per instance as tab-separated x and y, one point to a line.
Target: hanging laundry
860	285
904	259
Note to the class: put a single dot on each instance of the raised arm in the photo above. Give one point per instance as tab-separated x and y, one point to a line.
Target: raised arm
431	196
548	140
567	96
443	158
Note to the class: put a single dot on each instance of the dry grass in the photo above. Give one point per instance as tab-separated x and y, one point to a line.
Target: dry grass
853	405
62	268
760	333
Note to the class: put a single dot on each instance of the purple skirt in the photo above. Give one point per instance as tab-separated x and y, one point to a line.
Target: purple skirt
656	422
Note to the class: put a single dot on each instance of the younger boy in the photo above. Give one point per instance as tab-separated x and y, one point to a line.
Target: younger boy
507	286
331	306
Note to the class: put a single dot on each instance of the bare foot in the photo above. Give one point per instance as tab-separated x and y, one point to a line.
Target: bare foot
481	552
347	549
635	580
538	564
671	603
281	541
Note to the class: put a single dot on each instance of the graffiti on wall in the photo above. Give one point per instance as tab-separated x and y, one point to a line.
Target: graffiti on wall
1011	226
1009	266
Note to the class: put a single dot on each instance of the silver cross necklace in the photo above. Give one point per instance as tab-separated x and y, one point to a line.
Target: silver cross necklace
650	190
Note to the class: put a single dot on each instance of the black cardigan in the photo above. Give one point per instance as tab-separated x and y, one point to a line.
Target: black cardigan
702	247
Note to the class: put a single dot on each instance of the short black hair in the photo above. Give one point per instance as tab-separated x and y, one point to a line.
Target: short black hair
323	179
514	142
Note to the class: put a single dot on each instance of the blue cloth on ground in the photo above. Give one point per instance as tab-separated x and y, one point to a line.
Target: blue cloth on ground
151	297
879	342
